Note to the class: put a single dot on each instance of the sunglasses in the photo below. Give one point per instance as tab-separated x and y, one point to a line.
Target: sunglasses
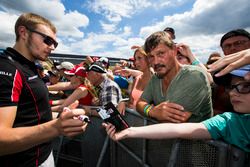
242	88
46	39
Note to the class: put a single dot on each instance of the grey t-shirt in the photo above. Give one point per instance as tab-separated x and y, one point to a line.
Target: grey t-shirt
190	88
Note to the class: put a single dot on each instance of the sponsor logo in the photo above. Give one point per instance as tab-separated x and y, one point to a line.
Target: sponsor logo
33	77
6	73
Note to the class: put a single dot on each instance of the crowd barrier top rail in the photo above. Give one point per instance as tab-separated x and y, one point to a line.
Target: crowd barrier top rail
94	149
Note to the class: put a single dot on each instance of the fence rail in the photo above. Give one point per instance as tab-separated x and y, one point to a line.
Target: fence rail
94	149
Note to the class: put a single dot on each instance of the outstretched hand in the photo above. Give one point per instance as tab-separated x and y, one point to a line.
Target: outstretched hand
231	62
111	132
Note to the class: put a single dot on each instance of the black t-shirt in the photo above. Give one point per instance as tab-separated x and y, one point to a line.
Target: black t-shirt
21	86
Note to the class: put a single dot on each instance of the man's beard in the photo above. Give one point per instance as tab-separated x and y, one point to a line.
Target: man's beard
160	76
31	47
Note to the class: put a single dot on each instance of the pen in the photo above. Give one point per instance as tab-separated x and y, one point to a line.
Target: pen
83	118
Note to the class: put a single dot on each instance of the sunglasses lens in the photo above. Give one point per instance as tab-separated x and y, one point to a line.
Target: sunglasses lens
49	41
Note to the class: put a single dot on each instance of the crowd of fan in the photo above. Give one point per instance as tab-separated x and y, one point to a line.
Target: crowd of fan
165	82
186	92
85	84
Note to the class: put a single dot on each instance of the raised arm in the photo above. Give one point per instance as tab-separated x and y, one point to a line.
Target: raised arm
230	62
128	72
161	131
75	96
185	50
62	86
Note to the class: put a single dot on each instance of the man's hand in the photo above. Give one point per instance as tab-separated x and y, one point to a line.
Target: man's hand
68	123
186	51
231	62
169	112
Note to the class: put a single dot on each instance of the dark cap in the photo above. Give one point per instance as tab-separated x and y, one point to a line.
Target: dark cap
53	73
39	66
233	33
97	67
169	29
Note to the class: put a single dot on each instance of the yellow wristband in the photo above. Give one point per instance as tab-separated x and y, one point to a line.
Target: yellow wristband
147	111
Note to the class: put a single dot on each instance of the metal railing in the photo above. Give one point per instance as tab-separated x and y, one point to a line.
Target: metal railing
94	149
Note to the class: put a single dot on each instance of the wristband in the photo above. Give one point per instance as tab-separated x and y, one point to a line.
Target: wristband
145	109
195	62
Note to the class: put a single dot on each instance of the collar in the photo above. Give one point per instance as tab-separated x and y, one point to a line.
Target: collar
15	55
105	79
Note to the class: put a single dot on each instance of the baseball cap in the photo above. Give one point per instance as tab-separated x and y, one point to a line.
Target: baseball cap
170	29
104	61
241	72
233	33
65	65
81	71
53	73
72	71
39	66
97	67
226	79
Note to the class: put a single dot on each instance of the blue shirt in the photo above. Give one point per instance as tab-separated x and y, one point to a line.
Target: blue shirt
121	81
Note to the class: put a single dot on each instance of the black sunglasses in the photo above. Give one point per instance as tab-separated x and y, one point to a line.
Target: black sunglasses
242	88
47	39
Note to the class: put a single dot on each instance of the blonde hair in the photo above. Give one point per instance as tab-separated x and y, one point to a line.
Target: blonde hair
141	50
31	20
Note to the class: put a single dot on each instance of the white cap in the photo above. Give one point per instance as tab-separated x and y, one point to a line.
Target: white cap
103	60
65	65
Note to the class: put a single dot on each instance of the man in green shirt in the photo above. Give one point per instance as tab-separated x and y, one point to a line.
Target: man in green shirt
176	93
231	127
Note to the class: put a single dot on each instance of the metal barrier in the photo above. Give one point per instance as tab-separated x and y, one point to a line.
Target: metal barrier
94	149
76	59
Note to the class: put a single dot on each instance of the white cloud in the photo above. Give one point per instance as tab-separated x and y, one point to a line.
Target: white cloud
206	17
7	37
107	28
127	31
203	26
115	10
68	24
109	45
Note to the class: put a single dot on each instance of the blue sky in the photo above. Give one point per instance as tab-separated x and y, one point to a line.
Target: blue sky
110	27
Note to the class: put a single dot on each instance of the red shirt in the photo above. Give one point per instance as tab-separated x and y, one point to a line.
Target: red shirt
87	99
